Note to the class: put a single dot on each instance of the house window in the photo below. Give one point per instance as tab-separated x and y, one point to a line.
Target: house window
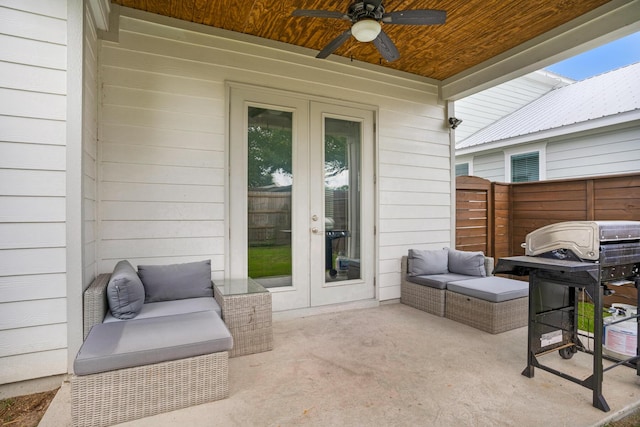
462	169
525	167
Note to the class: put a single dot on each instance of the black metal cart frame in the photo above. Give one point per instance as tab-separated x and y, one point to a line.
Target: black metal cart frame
561	317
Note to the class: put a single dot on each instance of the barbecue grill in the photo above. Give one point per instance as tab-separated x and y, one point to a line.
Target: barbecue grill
564	261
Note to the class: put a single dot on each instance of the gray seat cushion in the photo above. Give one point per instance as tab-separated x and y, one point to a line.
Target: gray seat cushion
168	308
492	288
119	345
438	281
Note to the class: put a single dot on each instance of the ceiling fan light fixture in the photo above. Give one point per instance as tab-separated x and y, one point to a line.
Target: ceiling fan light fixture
366	30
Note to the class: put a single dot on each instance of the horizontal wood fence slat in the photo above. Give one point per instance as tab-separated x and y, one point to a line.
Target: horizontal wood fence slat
505	213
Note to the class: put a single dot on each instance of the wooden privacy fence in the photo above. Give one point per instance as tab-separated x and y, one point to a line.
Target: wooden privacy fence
495	217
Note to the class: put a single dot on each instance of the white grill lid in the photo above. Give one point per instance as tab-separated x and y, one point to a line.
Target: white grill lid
583	238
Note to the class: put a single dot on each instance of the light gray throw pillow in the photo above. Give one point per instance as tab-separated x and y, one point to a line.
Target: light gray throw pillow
176	281
125	292
468	263
425	262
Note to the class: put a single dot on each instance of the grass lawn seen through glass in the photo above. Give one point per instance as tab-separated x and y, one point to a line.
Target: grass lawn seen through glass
269	261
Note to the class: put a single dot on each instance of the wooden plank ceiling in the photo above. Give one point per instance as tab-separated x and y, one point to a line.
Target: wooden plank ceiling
475	30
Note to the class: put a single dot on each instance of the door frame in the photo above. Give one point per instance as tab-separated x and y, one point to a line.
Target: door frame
363	288
236	231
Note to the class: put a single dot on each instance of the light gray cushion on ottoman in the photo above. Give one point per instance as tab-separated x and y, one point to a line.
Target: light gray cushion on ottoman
118	345
168	308
492	288
438	281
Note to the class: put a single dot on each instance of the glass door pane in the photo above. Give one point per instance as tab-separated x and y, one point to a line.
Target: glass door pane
342	150
269	182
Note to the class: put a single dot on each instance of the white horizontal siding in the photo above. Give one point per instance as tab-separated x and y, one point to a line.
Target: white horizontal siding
33	86
32	78
33	24
32	365
489	166
162	145
33	339
610	152
32	287
32	235
32	130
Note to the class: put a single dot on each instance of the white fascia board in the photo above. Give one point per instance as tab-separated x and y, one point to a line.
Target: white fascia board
609	22
100	10
589	125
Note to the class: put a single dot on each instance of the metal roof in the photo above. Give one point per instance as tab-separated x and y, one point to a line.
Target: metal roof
600	96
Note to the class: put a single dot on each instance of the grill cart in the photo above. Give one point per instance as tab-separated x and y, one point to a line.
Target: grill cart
564	261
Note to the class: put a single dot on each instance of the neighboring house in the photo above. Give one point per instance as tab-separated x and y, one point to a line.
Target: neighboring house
587	128
484	108
123	135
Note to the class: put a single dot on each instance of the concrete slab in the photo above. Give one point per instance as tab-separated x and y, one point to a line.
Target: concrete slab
395	365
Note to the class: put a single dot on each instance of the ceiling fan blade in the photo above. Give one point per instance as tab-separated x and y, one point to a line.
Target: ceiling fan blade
320	13
415	17
334	44
385	46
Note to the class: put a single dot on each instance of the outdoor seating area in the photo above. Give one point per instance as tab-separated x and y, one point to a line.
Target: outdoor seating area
154	342
459	285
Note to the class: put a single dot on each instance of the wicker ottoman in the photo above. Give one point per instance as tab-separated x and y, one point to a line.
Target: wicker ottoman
492	304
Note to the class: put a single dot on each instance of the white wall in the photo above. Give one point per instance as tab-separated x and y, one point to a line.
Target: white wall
33	319
486	165
610	151
162	144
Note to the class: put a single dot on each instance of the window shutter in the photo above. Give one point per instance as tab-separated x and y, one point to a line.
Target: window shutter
525	167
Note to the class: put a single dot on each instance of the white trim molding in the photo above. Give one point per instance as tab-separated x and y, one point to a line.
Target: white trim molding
100	11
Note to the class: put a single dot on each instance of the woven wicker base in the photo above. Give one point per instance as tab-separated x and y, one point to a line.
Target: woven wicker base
95	302
423	298
248	318
492	317
127	394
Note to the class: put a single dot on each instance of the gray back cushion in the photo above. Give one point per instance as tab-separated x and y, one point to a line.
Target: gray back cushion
176	281
125	292
424	262
469	263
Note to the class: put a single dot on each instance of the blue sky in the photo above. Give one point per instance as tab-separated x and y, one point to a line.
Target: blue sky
608	57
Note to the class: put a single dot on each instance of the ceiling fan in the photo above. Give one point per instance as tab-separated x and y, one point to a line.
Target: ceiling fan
366	17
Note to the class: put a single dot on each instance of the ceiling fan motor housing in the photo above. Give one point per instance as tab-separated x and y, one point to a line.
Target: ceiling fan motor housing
362	10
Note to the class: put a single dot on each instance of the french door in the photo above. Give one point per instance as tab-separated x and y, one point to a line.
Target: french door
301	198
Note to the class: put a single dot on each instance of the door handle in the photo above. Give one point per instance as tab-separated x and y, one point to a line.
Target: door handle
315	230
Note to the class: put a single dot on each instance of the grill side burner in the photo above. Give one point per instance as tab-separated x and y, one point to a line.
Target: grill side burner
561	260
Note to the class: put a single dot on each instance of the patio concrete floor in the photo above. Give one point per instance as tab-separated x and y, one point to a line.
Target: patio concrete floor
393	365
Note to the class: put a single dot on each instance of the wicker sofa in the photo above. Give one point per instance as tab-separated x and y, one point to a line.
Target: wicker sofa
170	355
459	285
